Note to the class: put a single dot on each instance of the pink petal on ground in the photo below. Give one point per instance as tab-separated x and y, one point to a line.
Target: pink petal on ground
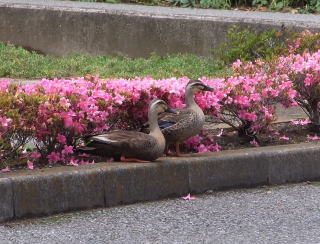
284	138
83	162
301	122
84	155
5	170
313	138
188	197
73	163
30	165
295	122
254	143
220	133
276	133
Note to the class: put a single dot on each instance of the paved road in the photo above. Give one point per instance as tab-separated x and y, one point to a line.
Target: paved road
286	214
305	20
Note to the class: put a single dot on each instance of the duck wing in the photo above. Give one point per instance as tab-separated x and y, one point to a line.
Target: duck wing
167	120
117	143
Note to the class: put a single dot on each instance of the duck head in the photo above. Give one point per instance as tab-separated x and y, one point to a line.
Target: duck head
159	106
197	85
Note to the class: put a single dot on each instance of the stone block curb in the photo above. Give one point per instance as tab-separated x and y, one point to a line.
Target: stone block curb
30	193
63	27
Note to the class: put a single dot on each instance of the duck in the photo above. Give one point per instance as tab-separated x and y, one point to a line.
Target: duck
184	123
132	146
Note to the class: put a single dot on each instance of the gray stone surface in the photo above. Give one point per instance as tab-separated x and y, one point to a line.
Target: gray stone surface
228	169
141	182
286	214
62	27
54	191
6	200
294	164
49	191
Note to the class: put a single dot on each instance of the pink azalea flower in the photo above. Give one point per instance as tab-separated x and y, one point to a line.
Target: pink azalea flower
83	162
35	155
284	138
313	138
68	122
254	143
30	165
188	197
5	170
301	122
220	133
62	139
110	160
84	155
5	122
292	93
202	148
242	100
54	157
73	163
256	97
237	64
67	149
215	148
247	116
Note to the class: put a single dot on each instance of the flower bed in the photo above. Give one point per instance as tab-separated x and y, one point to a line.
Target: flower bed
56	114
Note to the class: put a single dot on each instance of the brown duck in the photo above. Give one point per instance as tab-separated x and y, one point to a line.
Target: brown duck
132	146
185	122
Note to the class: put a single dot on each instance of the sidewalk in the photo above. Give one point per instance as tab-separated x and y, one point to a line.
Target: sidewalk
63	27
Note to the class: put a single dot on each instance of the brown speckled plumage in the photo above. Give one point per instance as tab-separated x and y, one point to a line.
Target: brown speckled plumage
186	122
131	144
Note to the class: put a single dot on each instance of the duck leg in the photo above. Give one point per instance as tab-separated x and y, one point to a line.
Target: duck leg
133	160
178	153
167	149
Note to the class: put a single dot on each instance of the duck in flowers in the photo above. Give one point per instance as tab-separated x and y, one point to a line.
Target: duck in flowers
132	146
185	122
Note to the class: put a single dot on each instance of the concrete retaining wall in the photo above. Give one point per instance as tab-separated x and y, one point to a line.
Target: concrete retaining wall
59	28
49	191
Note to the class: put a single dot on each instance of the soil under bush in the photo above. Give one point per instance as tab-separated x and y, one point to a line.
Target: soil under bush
284	133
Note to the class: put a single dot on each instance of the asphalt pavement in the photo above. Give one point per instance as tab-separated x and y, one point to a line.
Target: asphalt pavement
283	214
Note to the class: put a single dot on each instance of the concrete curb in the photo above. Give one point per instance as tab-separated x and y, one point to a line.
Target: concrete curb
64	27
49	191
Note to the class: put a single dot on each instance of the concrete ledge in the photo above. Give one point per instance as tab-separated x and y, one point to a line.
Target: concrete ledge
6	200
64	27
48	191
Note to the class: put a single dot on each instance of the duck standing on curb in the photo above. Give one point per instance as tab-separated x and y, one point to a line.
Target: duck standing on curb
186	122
132	146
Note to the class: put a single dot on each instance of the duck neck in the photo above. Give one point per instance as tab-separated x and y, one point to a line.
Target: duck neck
189	99
153	123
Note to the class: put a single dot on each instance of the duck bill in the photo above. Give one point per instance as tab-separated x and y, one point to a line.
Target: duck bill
170	110
207	88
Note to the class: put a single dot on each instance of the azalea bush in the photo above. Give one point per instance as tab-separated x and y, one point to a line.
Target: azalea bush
17	115
251	96
56	114
304	72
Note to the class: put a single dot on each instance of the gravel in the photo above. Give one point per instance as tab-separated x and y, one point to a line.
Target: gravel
286	214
